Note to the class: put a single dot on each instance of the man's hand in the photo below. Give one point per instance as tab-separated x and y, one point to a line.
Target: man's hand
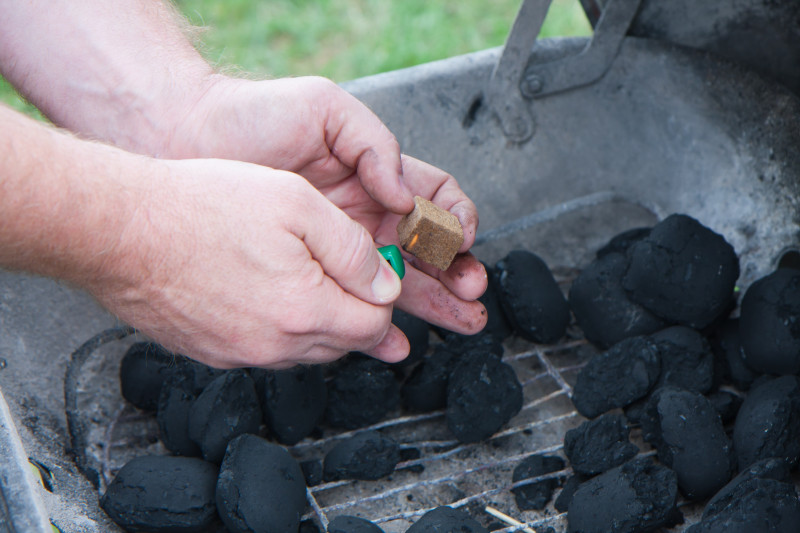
239	265
122	71
231	263
313	127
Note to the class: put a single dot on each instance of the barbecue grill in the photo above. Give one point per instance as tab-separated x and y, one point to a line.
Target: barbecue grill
676	106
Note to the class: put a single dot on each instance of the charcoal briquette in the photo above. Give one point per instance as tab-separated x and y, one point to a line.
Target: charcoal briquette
260	488
617	377
537	495
599	445
769	323
726	403
227	407
531	298
312	472
426	387
416	331
602	307
727	348
768	423
771	468
308	526
688	434
686	359
293	402
483	394
620	243
568	491
144	368
446	520
460	345
636	497
682	272
497	324
362	392
174	403
366	455
755	505
163	494
352	524
197	374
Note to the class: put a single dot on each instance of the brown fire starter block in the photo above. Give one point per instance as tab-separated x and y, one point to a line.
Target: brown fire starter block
431	234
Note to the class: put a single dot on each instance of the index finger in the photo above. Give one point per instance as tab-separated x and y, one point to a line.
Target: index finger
443	190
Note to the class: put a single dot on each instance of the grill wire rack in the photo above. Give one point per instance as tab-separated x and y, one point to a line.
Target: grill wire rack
477	476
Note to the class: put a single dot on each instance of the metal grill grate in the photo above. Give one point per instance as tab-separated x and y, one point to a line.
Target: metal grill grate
465	475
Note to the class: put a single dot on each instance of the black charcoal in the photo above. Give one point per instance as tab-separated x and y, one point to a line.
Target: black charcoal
727	346
197	374
260	488
352	524
620	243
769	323
426	388
531	298
567	492
599	445
362	392
771	468
144	368
411	454
686	359
308	526
293	402
483	394
755	505
637	497
537	495
634	411
416	331
682	272
366	455
602	308
726	403
446	520
174	403
617	377
768	423
312	472
227	407
460	345
687	432
497	325
163	494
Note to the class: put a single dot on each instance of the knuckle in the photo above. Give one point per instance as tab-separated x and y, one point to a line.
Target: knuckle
373	329
360	257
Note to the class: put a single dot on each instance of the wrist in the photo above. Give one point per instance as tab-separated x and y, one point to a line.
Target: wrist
69	205
198	130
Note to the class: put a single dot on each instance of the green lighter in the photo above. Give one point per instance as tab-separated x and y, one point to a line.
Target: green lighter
392	254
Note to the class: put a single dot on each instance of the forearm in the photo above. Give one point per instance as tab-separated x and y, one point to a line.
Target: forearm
122	71
64	203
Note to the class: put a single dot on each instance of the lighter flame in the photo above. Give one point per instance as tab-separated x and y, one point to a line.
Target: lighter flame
413	241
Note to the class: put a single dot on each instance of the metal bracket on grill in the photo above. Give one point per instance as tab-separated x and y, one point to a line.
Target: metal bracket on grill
514	81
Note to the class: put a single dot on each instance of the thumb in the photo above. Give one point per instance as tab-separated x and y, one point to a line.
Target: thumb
346	252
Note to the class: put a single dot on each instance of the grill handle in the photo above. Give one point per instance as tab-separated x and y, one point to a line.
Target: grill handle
515	80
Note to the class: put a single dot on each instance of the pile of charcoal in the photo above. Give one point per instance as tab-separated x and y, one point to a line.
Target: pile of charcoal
717	399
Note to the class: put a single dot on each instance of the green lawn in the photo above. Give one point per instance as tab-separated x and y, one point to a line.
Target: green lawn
346	39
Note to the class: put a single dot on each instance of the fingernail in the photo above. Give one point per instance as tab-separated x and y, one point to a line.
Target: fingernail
386	285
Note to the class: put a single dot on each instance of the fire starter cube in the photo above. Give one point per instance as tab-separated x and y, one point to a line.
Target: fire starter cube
431	233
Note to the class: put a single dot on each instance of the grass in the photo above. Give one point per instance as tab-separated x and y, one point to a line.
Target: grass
346	39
